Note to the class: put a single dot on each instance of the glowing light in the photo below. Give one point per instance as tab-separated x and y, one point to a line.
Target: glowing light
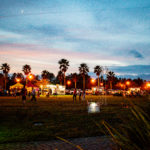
148	85
121	85
68	82
17	80
93	107
30	76
101	84
128	83
94	89
92	80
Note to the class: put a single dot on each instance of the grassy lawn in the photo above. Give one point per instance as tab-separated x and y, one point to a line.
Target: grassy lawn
60	117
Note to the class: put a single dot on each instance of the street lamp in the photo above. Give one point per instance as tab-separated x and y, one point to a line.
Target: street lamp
92	81
68	82
128	83
30	77
148	85
121	85
101	84
17	80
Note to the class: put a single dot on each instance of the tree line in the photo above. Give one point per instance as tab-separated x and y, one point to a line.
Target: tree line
77	80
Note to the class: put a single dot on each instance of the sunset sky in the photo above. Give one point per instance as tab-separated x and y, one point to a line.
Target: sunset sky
113	33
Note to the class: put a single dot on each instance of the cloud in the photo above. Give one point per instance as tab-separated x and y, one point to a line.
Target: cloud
132	71
136	54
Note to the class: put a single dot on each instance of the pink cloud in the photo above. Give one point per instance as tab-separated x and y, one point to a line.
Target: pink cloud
40	57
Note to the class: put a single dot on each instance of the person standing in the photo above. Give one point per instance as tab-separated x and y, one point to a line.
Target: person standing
33	95
24	92
29	94
80	94
74	95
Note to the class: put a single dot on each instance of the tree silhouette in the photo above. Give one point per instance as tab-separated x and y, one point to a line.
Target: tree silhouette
20	76
5	68
37	77
60	76
110	77
64	64
47	75
98	70
74	75
26	69
1	80
83	70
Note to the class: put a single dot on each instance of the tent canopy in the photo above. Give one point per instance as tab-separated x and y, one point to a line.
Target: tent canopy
17	85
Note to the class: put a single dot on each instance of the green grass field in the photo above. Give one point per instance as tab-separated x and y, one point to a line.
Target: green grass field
61	117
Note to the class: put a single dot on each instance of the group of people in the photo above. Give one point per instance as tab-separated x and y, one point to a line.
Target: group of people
24	94
80	93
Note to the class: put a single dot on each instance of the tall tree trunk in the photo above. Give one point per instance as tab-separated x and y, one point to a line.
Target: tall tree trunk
75	84
83	82
5	82
110	84
98	82
26	81
64	79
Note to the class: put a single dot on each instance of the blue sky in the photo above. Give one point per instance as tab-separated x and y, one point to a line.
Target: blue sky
113	33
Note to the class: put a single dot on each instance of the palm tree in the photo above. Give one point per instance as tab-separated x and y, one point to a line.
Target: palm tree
74	75
110	77
13	77
20	76
26	69
1	80
64	64
60	76
37	77
45	74
83	69
51	77
98	70
5	68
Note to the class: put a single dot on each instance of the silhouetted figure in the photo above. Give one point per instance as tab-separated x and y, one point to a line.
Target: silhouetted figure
38	93
24	93
29	94
33	95
74	94
80	94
